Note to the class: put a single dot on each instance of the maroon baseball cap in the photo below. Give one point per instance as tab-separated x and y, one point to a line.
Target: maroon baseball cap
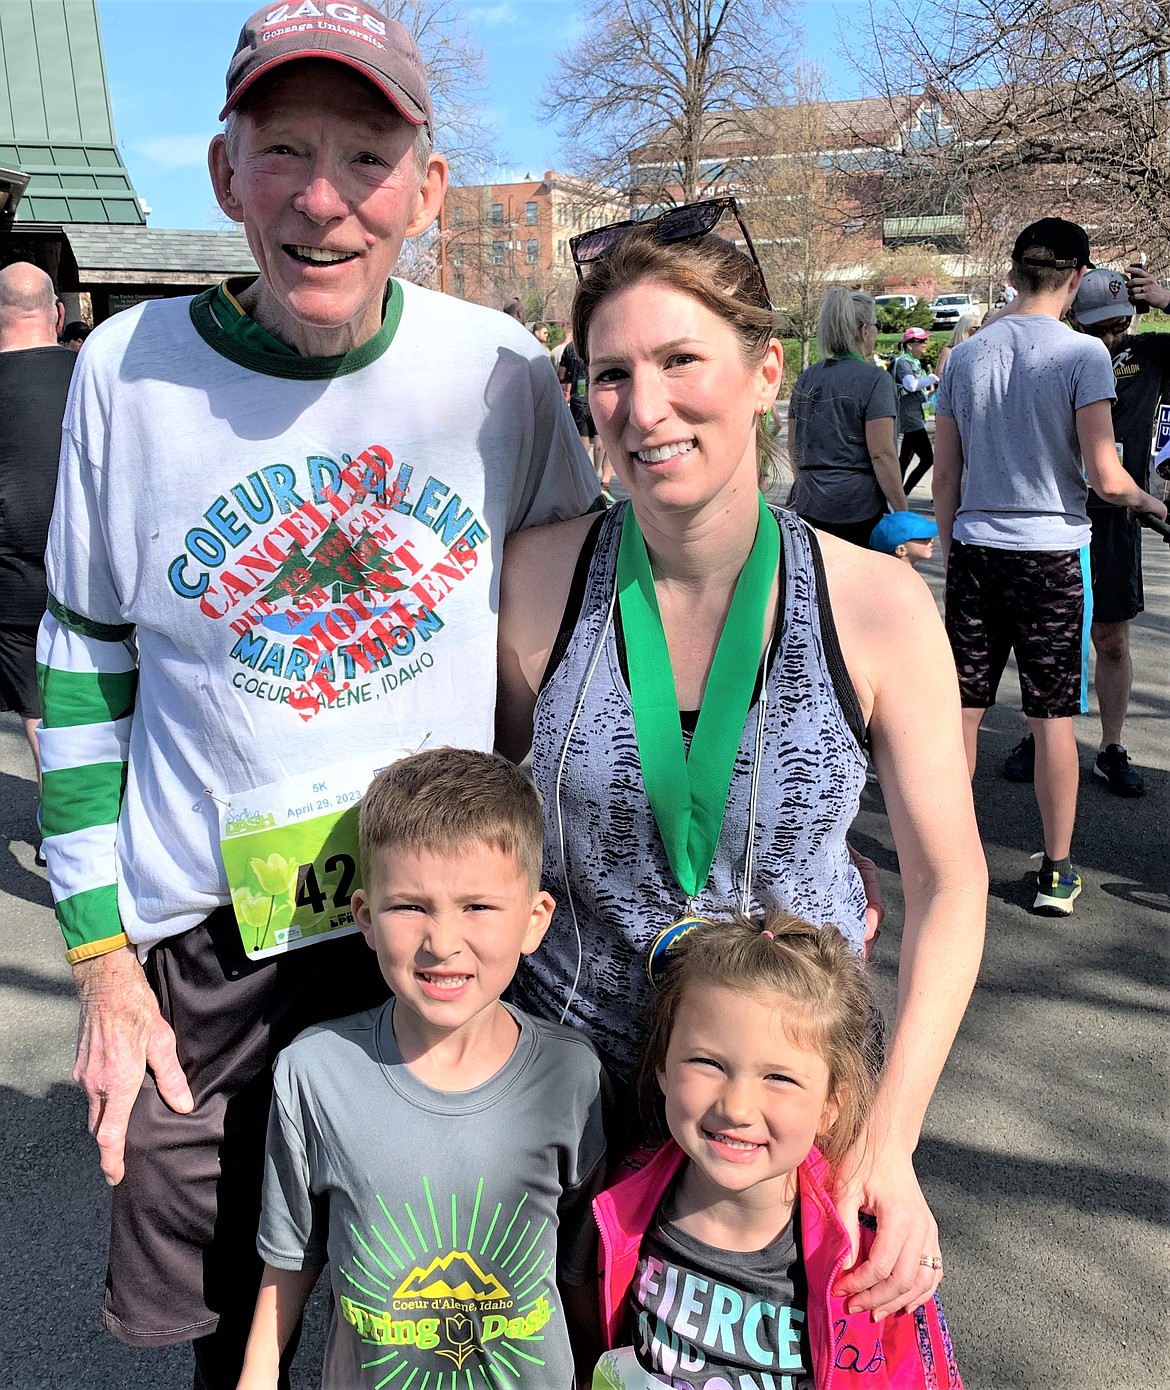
363	39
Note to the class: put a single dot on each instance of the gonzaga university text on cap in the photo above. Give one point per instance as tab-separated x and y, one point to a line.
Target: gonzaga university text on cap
373	45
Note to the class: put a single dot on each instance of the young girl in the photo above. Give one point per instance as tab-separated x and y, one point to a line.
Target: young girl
720	1255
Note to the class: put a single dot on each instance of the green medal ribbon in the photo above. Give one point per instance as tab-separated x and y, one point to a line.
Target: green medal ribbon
688	795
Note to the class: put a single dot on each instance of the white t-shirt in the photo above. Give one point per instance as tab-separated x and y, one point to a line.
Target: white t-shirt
269	532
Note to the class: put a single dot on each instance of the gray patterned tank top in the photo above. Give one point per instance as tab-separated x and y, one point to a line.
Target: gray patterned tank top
604	861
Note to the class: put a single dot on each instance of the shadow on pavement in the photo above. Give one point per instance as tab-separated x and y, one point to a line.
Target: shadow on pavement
18	825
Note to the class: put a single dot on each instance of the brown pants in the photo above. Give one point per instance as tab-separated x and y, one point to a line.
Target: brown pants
183	1263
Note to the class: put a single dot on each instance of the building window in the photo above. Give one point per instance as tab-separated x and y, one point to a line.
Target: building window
497	214
459	282
497	253
457	259
530	214
531	251
562	214
457	217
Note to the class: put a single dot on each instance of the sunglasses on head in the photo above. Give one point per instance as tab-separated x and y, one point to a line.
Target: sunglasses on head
686	223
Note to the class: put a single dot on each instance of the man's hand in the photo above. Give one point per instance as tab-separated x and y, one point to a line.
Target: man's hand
120	1033
882	1181
1149	506
1144	287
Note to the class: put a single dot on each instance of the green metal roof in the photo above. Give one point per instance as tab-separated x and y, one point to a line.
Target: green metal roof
55	117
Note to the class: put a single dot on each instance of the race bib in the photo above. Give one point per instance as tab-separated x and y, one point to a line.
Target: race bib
290	851
619	1370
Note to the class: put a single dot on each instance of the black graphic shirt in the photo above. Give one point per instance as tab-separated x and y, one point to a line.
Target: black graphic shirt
702	1317
1141	372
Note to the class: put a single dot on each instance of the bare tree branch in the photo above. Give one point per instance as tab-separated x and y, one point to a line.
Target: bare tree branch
667	81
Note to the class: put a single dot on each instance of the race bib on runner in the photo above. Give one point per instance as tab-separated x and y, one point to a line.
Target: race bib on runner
290	851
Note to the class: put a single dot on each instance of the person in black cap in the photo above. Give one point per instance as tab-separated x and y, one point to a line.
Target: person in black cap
272	570
1104	308
1021	404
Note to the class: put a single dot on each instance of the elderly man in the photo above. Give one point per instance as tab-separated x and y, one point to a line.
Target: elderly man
34	381
273	569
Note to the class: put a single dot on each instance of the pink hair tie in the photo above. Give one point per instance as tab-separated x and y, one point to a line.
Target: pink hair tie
768	934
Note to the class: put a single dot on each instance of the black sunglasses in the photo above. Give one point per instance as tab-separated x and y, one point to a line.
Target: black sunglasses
686	223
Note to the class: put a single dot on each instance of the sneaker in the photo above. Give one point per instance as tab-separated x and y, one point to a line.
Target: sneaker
1112	767
1055	893
1020	763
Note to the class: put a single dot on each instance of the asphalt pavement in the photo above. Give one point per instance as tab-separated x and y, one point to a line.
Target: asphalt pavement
1044	1154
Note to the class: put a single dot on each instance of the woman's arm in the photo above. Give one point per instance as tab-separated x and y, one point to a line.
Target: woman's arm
534	587
883	454
905	676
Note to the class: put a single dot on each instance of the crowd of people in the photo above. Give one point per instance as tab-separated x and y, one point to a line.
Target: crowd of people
610	1102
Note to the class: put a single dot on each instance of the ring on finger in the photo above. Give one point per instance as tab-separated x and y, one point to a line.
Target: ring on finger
931	1261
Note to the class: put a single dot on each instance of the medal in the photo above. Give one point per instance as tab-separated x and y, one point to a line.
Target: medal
688	793
658	958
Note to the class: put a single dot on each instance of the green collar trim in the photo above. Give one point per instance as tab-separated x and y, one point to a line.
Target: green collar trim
224	326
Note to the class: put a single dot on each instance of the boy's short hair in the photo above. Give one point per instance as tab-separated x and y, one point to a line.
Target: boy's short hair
443	799
1047	254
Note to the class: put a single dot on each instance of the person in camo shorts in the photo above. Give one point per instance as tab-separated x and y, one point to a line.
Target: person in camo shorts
1021	404
1104	309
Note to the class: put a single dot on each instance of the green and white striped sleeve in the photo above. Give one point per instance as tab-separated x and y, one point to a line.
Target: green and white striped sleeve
88	678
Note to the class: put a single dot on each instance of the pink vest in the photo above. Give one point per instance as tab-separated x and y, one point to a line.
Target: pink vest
906	1351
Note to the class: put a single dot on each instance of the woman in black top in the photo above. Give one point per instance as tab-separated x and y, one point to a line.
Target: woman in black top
841	426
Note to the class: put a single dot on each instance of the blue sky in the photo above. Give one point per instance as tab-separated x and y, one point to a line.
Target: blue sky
166	59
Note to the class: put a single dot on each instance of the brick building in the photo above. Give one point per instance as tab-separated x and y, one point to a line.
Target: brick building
506	239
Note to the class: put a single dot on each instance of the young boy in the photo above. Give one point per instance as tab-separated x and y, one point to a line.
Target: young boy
440	1151
907	535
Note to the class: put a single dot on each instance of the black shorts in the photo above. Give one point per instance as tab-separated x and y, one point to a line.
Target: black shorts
18	671
1029	601
855	532
582	419
183	1233
1115	560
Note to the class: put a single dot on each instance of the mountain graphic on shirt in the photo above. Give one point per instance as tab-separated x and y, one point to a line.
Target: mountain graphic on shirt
452	1276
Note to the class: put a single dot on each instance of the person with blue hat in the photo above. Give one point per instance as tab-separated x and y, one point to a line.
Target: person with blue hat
908	535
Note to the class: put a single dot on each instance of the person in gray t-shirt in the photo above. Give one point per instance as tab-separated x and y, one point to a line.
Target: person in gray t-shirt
1023	414
448	1218
441	1151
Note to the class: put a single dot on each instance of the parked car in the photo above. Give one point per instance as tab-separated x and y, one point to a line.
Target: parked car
948	309
888	301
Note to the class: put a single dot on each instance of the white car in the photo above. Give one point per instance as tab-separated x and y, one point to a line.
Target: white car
892	301
948	309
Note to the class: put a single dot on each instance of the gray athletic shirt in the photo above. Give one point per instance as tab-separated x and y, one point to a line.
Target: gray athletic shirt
612	882
446	1216
1013	390
832	401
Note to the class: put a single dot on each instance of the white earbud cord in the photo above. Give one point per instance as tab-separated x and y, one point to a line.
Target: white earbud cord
745	902
601	642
